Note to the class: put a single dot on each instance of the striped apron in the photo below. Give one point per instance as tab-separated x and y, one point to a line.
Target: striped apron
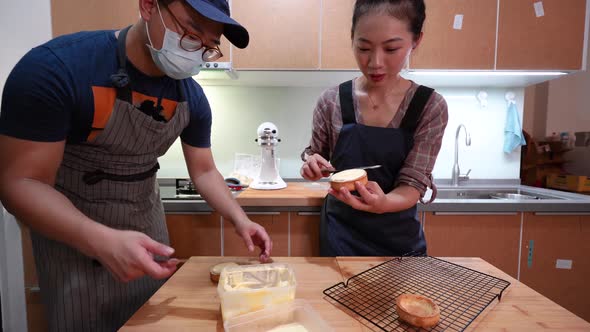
112	180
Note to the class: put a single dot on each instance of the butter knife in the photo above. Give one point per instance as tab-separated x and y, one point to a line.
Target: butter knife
331	170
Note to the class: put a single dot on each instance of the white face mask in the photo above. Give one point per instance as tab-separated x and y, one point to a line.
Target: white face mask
171	59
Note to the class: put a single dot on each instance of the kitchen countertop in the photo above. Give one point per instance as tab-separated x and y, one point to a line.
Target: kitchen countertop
309	196
188	301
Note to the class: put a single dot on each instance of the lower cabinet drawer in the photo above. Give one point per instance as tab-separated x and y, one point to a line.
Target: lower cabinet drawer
195	234
305	234
276	225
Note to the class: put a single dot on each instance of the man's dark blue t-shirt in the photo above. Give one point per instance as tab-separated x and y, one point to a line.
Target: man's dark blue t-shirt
63	90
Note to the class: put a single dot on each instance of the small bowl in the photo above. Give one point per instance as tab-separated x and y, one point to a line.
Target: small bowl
417	310
347	178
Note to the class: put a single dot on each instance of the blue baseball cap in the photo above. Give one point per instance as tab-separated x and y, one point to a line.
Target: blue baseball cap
218	11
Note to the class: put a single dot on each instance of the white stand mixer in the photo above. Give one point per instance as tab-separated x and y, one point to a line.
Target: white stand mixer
269	177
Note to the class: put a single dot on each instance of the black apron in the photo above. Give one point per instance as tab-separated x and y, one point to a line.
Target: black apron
345	231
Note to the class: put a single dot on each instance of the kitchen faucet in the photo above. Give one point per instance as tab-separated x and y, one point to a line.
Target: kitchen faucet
456	171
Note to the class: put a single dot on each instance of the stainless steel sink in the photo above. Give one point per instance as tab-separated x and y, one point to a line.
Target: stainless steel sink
492	194
514	196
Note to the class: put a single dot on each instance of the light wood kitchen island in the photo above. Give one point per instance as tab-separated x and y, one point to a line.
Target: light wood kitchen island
188	301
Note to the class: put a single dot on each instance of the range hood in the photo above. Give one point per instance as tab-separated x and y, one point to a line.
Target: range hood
213	71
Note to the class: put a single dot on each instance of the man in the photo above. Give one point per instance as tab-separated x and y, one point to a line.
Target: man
83	120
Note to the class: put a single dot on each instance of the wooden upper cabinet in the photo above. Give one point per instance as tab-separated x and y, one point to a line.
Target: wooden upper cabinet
284	34
336	42
468	46
552	41
68	16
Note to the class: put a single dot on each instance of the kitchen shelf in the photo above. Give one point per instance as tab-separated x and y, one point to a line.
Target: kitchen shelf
537	162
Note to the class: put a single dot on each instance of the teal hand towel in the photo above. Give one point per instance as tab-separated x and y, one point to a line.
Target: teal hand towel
513	136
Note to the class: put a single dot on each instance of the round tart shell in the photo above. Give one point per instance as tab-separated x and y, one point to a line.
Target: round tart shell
349	184
417	310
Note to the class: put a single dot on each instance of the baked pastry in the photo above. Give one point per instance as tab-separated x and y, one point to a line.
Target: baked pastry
417	310
215	270
347	178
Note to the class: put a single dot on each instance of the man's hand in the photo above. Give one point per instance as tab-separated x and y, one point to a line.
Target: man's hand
210	184
255	235
312	167
129	255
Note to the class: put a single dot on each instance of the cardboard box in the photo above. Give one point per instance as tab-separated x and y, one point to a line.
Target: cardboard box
577	183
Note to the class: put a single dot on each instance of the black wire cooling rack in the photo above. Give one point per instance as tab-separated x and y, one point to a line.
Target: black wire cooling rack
461	293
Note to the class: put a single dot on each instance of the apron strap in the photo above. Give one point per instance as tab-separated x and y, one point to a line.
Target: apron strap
91	178
346	103
414	111
180	88
121	79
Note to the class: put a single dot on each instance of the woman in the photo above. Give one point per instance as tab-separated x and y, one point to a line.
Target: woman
378	118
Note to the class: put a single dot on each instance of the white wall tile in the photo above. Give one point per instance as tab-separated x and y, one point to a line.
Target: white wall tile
238	111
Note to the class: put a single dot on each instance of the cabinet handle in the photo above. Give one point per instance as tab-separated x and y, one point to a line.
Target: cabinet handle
264	213
561	213
190	213
308	213
476	213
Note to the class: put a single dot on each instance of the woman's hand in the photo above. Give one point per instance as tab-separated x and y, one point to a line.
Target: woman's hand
311	168
255	235
371	199
129	255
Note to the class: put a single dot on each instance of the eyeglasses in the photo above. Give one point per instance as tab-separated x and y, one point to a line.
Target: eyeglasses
192	43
